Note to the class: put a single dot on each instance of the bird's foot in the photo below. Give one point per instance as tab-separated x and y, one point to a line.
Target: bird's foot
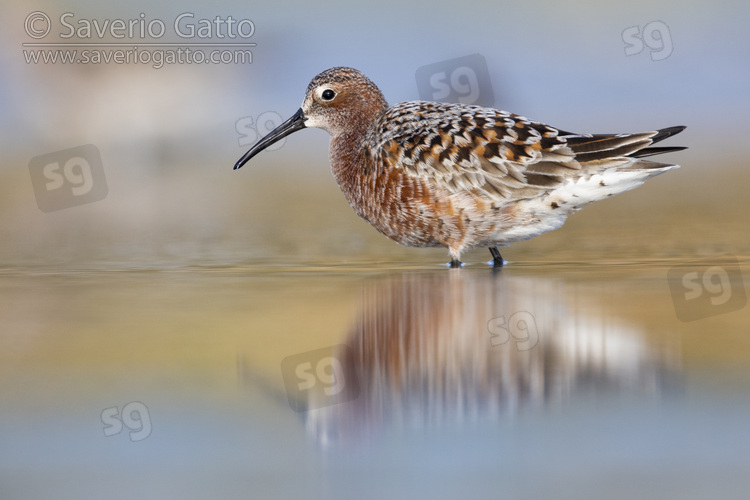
497	259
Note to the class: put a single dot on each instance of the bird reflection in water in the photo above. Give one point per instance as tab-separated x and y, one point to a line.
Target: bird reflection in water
434	349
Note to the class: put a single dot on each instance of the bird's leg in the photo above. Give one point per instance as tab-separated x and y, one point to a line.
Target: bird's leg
497	259
455	257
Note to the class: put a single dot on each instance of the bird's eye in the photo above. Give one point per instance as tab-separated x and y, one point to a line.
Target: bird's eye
328	94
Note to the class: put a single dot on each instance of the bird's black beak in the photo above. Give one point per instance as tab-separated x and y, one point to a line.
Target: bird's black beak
293	124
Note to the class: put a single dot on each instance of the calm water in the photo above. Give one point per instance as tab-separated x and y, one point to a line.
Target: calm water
199	333
377	380
217	336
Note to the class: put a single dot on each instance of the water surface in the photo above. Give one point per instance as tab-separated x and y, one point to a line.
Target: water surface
381	379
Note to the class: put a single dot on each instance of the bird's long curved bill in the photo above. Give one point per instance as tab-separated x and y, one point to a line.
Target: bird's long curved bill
296	122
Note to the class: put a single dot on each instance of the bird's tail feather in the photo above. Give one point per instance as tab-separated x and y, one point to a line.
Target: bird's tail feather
601	151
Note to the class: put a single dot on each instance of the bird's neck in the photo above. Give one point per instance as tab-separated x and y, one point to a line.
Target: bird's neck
348	149
348	143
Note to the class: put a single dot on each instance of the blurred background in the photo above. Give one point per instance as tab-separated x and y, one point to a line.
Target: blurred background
168	137
160	313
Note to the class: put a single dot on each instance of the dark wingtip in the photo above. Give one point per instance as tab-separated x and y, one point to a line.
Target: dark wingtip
660	135
663	133
657	151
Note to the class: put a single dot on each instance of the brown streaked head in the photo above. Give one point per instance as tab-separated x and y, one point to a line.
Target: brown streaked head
339	100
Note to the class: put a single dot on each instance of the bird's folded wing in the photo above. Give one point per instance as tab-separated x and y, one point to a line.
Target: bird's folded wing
494	154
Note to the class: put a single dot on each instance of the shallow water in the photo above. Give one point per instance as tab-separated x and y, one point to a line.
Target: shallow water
390	379
263	342
195	332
